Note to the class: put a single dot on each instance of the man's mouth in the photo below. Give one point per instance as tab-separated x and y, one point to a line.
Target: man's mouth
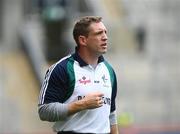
104	45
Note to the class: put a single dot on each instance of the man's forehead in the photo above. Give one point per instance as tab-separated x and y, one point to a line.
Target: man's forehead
97	26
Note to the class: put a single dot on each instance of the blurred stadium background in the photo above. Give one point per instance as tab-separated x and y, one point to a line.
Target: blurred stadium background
144	49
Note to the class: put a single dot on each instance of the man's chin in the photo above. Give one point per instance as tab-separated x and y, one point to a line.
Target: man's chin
103	52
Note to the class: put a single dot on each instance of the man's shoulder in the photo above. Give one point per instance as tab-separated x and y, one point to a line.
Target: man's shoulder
60	65
63	61
108	65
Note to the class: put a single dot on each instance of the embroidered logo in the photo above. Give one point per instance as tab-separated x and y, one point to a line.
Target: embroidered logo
105	81
104	78
84	80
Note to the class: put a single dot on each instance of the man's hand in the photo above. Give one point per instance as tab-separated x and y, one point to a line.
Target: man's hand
93	100
90	101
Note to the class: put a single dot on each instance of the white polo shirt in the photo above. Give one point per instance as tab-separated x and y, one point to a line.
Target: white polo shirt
70	80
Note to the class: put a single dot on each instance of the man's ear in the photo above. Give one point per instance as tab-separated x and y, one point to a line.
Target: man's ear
82	40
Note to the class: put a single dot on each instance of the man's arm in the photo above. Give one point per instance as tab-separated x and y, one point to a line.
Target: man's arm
91	101
113	123
114	129
58	111
52	112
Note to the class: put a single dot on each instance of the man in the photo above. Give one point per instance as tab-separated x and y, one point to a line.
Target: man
79	91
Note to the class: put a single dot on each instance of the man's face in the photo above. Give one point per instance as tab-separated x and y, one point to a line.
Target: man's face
97	39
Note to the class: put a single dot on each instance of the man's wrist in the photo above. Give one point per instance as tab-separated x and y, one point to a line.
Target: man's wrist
76	107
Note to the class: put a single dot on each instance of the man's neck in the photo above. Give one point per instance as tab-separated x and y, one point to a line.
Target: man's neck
89	58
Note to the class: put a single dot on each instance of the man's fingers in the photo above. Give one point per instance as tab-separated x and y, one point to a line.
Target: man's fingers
98	98
100	102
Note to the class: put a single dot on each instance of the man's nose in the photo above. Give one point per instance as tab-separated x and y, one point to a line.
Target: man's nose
105	37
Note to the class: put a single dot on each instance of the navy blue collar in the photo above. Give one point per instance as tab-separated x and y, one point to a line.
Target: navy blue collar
81	62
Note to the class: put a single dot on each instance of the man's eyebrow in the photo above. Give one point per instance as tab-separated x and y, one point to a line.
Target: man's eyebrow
100	31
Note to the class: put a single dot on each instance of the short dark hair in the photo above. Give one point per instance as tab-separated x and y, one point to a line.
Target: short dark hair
81	27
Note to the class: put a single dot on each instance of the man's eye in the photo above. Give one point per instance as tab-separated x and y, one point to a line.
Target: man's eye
101	32
98	33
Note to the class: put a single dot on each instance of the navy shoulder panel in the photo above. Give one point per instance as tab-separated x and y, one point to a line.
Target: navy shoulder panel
54	88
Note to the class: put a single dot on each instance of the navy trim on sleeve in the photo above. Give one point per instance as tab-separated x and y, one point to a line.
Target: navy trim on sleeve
54	87
57	86
114	93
